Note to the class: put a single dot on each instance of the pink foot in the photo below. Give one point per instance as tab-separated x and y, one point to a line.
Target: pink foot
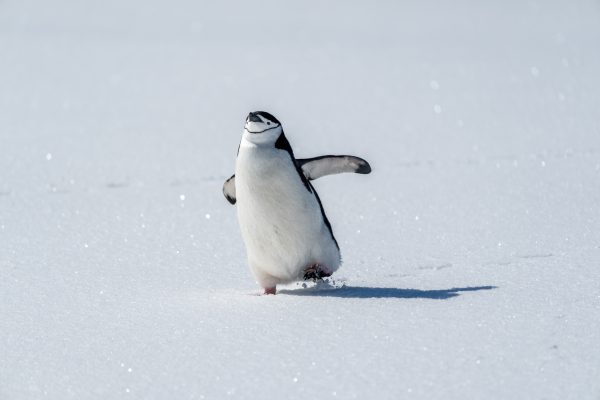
271	290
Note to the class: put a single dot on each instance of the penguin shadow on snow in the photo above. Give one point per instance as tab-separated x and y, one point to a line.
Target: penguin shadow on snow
363	292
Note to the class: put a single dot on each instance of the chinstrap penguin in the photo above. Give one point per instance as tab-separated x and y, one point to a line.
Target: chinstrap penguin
286	232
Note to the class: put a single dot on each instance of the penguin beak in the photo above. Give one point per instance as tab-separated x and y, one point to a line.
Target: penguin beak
252	117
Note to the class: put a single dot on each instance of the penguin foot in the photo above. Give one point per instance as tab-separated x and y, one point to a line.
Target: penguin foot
316	272
271	290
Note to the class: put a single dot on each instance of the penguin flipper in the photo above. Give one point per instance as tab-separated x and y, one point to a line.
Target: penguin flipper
316	167
229	189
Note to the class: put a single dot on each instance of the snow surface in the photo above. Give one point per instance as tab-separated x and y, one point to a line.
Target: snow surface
471	252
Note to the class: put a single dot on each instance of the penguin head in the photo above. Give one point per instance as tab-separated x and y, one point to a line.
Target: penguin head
262	127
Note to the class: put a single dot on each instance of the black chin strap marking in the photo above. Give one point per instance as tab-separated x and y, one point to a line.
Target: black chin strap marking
268	129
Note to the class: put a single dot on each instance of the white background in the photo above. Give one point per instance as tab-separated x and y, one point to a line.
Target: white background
471	253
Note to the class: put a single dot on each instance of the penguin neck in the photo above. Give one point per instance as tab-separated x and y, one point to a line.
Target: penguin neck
260	140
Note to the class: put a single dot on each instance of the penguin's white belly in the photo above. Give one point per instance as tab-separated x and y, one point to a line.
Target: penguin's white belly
281	221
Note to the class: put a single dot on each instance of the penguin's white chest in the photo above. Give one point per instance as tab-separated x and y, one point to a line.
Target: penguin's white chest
280	218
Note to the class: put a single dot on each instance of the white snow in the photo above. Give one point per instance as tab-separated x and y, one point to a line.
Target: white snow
471	253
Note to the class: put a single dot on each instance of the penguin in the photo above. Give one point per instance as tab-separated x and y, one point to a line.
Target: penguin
282	220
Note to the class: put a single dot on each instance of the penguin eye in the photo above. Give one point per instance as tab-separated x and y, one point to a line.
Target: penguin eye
268	123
